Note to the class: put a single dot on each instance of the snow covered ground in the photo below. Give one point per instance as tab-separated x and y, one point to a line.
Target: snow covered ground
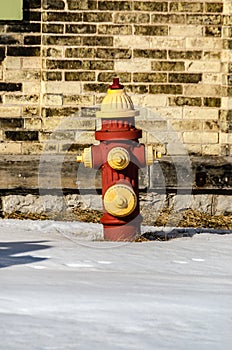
61	290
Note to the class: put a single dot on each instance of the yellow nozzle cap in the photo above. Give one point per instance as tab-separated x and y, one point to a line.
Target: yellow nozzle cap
118	158
120	200
86	158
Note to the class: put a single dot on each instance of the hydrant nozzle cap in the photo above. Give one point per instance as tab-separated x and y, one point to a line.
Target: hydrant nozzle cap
116	85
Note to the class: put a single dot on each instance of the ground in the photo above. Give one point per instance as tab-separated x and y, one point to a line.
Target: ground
62	287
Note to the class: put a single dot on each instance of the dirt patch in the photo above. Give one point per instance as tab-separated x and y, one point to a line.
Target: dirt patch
188	218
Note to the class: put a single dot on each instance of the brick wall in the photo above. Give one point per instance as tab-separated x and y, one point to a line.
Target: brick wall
174	58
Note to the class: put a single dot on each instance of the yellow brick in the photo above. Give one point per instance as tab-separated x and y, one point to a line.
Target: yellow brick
33	124
226	103
212	78
1	135
64	87
22	75
200	113
200	137
132	41
13	62
168	112
136	65
212	150
226	138
31	62
32	87
10	148
193	148
202	90
84	137
53	100
227	7
202	66
8	111
32	148
155	100
185	31
161	43
203	43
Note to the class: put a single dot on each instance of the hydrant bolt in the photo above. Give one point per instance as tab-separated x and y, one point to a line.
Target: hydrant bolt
118	158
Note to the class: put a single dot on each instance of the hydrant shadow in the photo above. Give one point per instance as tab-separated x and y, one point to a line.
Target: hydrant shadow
10	250
172	233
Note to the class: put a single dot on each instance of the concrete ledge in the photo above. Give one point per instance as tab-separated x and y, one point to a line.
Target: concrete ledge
51	172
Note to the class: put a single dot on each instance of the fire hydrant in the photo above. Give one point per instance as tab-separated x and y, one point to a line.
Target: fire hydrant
119	156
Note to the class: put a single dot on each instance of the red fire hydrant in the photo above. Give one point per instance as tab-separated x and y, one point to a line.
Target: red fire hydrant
119	156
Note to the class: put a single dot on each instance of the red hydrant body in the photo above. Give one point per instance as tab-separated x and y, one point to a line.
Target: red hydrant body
119	156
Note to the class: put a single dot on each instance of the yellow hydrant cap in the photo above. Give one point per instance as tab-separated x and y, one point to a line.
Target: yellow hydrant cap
117	104
118	158
120	200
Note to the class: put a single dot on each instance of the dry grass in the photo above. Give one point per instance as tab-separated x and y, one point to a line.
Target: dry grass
189	218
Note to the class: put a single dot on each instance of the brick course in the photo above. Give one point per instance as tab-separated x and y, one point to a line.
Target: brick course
172	56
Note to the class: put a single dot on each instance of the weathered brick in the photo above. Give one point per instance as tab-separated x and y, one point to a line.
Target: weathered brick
166	89
23	51
97	88
62	16
211	125
53	28
10	87
62	40
78	100
168	66
201	137
150	77
30	62
11	123
30	111
63	64
186	125
98	41
81	52
213	31
52	100
202	90
186	7
52	76
32	40
10	39
184	101
96	17
151	6
33	123
113	53
33	148
10	148
80	29
168	18
184	78
151	30
131	17
21	99
115	29
59	112
79	76
216	7
131	42
108	77
22	135
188	55
212	101
82	4
54	5
24	27
115	5
155	54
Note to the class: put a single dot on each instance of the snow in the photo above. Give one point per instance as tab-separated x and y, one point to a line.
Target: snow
64	288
